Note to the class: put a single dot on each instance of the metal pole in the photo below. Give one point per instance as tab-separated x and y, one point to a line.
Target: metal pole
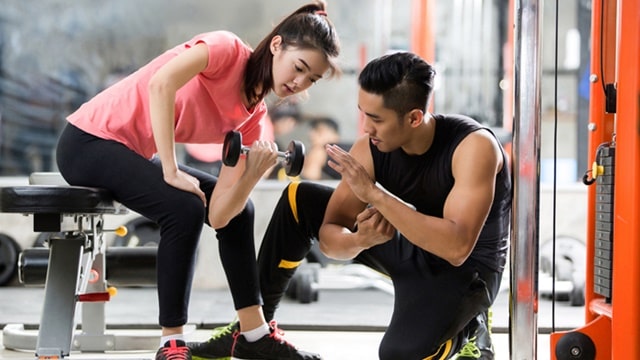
526	184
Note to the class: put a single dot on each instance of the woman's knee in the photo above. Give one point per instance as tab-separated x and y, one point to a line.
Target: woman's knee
185	215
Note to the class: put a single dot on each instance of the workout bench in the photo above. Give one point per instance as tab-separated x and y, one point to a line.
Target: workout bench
77	265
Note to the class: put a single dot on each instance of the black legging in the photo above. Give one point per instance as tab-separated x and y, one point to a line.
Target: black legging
138	183
433	299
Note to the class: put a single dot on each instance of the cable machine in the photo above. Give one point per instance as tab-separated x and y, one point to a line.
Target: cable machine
612	291
613	220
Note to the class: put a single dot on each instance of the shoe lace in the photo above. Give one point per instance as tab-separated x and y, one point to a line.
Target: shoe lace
222	331
235	340
175	353
278	334
470	350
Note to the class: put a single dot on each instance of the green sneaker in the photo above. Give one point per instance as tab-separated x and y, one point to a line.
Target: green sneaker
219	346
469	351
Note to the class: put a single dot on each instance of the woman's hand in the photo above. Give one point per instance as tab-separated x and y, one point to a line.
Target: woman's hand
183	181
261	157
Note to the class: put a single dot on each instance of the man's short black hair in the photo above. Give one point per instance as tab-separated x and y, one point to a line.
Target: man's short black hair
403	79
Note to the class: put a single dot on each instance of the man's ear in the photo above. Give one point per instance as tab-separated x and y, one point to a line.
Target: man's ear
276	44
416	116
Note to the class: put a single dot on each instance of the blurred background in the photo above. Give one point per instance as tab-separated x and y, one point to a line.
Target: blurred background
56	54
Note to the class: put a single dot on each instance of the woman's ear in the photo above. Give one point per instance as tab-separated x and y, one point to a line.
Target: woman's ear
276	44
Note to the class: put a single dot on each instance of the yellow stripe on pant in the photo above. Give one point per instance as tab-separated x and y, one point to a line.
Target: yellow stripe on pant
293	188
443	351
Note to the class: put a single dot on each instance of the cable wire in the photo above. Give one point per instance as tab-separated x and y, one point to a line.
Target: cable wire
555	167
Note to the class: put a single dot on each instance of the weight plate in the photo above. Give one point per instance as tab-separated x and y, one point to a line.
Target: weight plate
231	148
9	252
293	165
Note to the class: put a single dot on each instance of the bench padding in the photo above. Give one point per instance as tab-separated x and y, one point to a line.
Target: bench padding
53	199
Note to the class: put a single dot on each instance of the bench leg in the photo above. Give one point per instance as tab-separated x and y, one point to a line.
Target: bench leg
72	270
92	338
57	323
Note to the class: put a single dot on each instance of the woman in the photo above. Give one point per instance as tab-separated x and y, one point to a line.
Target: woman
196	93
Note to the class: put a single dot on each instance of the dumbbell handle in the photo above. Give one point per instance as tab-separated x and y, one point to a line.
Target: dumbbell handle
284	155
233	148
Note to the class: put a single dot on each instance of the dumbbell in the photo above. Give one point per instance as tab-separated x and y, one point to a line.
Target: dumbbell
293	158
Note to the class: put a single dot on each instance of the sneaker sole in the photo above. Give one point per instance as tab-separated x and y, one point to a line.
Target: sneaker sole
195	357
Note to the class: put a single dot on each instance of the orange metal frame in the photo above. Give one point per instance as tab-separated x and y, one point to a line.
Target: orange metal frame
616	50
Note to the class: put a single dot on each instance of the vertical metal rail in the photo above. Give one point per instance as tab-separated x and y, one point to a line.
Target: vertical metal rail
526	164
626	247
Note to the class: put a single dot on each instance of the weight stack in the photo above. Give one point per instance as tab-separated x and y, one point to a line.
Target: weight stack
603	262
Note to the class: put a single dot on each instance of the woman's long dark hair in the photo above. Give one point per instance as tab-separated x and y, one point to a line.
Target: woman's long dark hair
306	28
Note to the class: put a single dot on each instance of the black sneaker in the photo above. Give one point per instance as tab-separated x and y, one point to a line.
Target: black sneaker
269	347
479	345
218	346
174	350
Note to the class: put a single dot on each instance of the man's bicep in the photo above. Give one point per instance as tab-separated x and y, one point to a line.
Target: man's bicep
470	199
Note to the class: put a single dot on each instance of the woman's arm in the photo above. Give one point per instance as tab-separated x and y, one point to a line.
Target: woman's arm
236	183
162	95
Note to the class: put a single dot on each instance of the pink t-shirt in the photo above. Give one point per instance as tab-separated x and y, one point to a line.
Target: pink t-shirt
206	107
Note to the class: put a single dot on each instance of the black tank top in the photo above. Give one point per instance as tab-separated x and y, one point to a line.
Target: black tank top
426	180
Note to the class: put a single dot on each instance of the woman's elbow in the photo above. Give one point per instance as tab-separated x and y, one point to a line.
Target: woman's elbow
217	222
158	85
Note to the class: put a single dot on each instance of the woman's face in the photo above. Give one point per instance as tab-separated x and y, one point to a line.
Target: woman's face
294	69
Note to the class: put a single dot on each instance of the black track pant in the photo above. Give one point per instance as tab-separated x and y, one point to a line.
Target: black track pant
434	300
138	183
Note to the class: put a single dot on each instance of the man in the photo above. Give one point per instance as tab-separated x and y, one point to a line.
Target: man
424	198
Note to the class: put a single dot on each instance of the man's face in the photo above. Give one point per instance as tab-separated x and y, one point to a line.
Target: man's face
385	130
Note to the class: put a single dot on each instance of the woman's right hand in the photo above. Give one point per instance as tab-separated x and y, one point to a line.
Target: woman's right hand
183	181
261	157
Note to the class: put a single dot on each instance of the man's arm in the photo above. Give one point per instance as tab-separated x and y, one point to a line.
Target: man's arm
475	163
451	237
349	225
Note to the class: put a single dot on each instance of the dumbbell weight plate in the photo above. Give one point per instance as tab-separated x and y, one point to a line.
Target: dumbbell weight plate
293	167
231	148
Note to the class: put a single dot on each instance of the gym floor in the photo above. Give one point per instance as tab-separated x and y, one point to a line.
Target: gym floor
345	323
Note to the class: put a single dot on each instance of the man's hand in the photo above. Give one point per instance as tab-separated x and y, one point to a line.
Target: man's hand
374	227
352	172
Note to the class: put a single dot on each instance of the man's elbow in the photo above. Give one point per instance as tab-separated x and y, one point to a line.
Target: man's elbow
457	261
333	252
326	250
459	255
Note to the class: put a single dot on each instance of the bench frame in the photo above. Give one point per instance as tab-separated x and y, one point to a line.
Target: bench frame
76	267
